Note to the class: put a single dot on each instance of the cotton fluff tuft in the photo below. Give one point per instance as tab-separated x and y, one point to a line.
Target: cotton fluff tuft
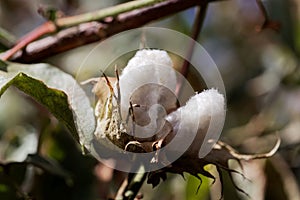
200	110
147	66
149	57
207	104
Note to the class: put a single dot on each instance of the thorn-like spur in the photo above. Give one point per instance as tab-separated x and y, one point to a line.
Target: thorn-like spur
109	84
119	94
131	113
117	72
118	85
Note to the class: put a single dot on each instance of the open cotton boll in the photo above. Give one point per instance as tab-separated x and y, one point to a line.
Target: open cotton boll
201	118
147	57
147	66
207	104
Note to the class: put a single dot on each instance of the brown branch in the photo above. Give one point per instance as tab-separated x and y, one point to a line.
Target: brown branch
47	27
96	31
54	25
197	27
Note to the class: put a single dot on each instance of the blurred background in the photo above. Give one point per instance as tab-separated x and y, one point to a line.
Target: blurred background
261	73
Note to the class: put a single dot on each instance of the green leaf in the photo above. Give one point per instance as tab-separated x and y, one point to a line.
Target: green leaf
192	186
58	92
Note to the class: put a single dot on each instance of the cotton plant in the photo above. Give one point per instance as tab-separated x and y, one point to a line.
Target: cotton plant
138	112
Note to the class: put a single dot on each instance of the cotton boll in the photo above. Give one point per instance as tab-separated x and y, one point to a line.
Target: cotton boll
146	67
200	120
205	105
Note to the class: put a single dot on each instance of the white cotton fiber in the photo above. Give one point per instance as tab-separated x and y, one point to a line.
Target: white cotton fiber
204	113
199	108
147	66
148	56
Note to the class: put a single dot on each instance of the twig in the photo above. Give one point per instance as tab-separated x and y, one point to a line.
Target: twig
96	31
47	27
121	190
103	13
51	27
131	186
197	26
6	38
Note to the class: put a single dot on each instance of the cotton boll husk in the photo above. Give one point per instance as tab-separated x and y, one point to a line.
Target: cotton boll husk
204	111
147	66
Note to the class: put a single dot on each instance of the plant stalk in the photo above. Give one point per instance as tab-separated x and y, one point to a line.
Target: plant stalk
197	27
103	13
60	23
94	31
131	186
